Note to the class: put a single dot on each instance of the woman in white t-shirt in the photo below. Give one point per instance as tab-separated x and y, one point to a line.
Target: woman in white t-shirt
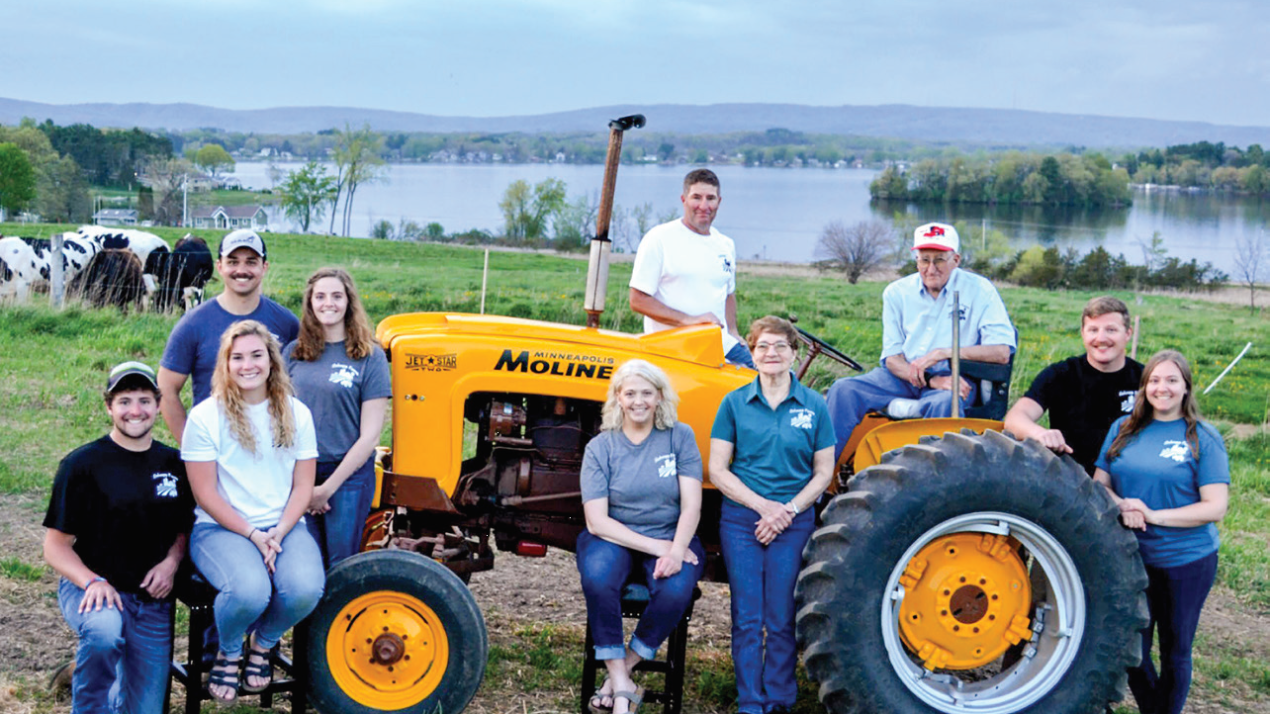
250	452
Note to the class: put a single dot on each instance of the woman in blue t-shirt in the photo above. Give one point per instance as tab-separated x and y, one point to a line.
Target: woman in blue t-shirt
641	494
342	376
771	455
1168	472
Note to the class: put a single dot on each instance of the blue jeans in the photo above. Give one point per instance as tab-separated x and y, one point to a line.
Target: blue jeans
338	532
851	398
762	579
1175	597
123	657
605	568
248	593
740	354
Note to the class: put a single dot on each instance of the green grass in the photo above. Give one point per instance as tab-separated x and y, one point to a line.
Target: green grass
15	569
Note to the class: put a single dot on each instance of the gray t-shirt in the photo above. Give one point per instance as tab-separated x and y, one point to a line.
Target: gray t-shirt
641	480
333	387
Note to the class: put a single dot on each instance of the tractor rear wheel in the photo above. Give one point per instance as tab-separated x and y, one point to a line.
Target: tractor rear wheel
918	584
395	632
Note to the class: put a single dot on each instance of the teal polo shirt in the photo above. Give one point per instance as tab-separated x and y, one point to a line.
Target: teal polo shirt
773	448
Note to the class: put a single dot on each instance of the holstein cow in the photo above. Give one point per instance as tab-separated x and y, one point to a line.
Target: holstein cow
27	262
113	277
181	273
150	249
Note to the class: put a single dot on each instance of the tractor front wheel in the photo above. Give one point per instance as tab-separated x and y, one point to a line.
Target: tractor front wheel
971	574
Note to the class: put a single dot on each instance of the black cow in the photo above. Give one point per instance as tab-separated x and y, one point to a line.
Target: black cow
112	277
181	274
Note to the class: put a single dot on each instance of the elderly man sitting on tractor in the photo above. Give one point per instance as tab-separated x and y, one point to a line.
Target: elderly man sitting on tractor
917	337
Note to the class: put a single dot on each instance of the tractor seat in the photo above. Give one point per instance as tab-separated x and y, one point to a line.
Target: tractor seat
991	399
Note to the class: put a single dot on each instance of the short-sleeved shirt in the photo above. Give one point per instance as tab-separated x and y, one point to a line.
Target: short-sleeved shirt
1083	402
773	448
256	484
125	508
1158	468
686	271
333	387
641	481
195	340
913	323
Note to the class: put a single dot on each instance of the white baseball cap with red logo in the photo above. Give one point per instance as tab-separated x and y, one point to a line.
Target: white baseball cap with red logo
936	236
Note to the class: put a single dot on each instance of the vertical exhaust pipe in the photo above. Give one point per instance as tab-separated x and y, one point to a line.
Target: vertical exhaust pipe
597	275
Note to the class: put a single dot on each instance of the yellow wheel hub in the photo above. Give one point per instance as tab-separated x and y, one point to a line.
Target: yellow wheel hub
966	600
387	650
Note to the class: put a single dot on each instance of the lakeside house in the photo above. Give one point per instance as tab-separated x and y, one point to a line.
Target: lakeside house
116	217
230	217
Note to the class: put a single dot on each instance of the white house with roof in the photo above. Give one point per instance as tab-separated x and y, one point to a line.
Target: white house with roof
230	217
115	217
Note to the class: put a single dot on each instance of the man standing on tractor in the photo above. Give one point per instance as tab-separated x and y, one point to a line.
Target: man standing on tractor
1086	393
685	270
917	337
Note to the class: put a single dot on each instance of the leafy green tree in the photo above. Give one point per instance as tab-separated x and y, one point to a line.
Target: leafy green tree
214	160
17	179
434	231
382	230
305	193
357	161
527	210
1253	180
665	151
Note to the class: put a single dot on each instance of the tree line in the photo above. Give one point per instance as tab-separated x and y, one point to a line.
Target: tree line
1206	165
1086	180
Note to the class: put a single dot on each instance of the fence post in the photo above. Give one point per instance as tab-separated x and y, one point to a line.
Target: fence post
57	276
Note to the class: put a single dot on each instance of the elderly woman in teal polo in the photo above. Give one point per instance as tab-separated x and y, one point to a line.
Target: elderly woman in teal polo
771	454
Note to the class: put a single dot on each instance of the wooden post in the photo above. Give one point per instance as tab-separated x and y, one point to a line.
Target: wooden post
57	276
484	280
1137	322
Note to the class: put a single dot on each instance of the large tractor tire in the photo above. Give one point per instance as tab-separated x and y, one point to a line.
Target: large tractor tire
395	632
917	594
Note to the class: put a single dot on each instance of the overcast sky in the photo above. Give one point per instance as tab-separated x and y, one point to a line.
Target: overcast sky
1162	59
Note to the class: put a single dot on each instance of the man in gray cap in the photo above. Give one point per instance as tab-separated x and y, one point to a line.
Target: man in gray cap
118	520
917	336
191	349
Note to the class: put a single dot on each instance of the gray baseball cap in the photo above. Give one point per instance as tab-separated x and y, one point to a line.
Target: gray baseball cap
125	370
243	238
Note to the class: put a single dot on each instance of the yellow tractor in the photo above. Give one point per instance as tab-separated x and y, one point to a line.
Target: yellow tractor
957	571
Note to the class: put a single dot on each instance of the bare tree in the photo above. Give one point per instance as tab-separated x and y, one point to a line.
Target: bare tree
1252	262
165	177
856	249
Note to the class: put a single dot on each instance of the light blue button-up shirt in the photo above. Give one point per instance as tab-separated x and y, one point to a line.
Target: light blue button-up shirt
914	323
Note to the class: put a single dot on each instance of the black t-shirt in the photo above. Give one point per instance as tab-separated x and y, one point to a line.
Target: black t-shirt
125	508
1083	402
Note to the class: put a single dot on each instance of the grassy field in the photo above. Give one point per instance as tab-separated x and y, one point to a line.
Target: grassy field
53	365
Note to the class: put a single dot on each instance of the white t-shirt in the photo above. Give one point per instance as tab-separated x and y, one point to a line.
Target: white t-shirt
686	271
256	485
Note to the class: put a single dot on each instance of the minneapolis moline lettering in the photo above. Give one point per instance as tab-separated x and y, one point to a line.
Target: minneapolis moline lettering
520	362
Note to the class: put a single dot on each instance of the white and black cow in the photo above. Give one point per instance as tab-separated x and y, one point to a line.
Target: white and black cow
182	273
27	261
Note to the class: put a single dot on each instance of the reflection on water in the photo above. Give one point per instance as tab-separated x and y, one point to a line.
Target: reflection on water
778	214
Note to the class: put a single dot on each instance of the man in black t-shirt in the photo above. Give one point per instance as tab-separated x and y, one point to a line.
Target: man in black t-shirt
117	521
1086	393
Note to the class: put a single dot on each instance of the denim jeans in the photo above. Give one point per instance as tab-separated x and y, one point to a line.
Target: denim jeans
740	354
605	568
248	592
123	657
1175	597
850	398
762	578
338	532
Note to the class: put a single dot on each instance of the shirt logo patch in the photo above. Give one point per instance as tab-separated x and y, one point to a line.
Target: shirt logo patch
164	485
666	466
1176	450
800	418
343	375
727	263
1127	398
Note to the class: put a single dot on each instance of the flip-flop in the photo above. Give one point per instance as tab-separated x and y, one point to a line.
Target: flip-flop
634	698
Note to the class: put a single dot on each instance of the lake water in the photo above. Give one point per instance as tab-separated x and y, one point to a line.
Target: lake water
778	214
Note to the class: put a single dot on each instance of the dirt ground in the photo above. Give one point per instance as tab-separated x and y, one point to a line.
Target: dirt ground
519	592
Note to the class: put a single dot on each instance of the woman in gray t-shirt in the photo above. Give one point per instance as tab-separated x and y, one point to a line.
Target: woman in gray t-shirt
641	493
341	375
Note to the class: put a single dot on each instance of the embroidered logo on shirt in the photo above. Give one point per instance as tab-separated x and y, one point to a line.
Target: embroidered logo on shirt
800	418
666	466
727	263
165	485
1176	450
1127	398
343	375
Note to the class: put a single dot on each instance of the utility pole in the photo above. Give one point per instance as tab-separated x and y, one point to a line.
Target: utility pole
185	201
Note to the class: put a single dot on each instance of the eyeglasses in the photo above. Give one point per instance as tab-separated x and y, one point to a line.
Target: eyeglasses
779	347
927	262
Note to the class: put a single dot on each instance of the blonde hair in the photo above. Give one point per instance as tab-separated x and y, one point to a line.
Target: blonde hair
278	387
666	413
1143	413
358	337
